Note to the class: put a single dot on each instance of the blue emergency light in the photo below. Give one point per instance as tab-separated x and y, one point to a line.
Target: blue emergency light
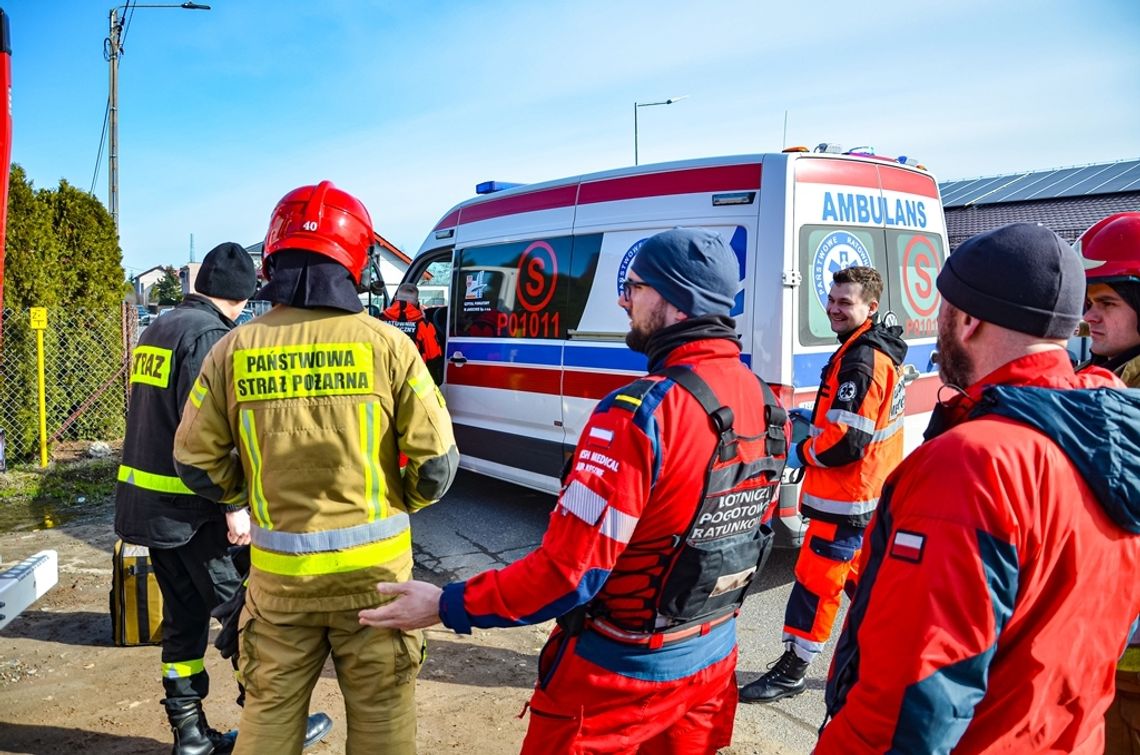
490	187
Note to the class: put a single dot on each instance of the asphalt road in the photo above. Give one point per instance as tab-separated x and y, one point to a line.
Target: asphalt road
483	524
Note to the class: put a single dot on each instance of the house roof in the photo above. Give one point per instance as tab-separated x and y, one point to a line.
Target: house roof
1056	183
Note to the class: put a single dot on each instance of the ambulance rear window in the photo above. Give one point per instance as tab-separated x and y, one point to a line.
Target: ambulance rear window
909	262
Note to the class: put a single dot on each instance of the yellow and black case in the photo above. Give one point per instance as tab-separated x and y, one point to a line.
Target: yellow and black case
136	603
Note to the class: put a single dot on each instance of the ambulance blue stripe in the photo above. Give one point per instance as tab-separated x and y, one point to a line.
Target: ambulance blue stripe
599	357
546	355
515	351
806	368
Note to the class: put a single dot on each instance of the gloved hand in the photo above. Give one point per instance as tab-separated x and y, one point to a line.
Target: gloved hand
794	461
229	614
800	415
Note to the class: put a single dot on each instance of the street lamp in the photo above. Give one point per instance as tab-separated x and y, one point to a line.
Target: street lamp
637	105
114	49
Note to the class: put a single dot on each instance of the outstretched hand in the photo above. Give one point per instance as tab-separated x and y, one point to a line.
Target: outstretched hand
414	605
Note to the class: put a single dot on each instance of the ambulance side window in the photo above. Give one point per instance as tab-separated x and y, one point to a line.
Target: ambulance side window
517	290
824	250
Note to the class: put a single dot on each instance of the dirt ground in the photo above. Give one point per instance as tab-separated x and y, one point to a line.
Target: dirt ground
65	687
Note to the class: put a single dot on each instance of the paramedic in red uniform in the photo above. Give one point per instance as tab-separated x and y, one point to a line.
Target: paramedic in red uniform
405	314
1002	569
617	675
856	440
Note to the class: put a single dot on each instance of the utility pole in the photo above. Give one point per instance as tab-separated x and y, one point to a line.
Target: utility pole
114	49
115	40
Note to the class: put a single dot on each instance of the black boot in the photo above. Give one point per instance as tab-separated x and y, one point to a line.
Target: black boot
785	679
192	733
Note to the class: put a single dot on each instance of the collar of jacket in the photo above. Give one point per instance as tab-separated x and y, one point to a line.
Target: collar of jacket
404	310
698	351
667	340
1044	369
197	301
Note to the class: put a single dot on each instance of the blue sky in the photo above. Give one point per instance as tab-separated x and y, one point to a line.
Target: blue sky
409	104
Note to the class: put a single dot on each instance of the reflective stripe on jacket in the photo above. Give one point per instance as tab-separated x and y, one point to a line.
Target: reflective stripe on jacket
857	427
319	405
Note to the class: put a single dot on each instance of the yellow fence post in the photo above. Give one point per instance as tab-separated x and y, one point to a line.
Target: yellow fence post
39	322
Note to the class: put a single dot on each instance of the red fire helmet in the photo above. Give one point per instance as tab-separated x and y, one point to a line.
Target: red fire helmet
1110	249
325	220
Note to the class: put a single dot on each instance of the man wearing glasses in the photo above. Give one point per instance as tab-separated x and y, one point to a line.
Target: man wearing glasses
635	663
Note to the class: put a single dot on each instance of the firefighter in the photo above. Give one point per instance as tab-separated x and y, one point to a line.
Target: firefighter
186	534
1111	253
1001	573
303	412
405	314
856	439
660	526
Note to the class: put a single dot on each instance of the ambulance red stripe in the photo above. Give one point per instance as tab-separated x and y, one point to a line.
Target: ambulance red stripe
866	175
689	181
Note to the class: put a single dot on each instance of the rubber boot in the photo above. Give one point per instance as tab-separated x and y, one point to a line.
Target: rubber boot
785	679
192	733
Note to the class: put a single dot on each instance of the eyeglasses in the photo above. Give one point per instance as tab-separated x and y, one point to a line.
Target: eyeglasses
628	285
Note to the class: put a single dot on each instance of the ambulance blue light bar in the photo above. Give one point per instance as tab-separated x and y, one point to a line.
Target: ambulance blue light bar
490	187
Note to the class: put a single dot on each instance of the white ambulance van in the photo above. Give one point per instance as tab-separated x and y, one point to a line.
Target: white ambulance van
533	335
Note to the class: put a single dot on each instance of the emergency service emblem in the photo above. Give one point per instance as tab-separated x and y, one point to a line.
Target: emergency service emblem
838	250
846	392
626	261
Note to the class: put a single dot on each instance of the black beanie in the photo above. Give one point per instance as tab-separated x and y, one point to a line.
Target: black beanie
1021	276
227	273
693	269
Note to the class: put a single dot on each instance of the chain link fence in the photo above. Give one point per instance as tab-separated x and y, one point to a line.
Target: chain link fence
86	372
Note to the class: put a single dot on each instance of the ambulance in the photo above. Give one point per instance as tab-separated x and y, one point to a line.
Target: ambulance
533	335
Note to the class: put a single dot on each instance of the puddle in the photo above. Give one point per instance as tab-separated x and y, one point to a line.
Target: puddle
25	516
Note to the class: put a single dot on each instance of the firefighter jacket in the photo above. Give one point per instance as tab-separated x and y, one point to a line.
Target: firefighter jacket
857	426
319	404
1125	366
999	574
410	319
152	505
634	485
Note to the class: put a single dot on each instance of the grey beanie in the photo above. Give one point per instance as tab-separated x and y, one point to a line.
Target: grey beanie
693	269
1021	276
227	272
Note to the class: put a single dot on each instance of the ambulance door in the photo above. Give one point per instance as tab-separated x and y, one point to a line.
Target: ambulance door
915	250
504	356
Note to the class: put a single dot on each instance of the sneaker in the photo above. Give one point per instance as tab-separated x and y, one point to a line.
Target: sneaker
785	679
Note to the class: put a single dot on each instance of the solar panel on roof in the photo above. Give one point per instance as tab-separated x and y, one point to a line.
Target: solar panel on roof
1088	180
1078	184
1053	184
1125	179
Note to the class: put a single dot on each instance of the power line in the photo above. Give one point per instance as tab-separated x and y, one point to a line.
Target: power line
102	141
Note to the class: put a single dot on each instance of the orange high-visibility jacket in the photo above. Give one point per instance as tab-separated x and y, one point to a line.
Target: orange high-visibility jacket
857	426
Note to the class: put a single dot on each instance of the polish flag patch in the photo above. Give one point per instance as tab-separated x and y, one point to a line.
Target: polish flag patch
599	436
908	546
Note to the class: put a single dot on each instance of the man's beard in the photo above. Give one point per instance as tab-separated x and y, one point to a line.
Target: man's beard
955	366
638	337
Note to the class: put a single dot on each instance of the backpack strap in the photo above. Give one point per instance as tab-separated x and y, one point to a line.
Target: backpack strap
775	417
